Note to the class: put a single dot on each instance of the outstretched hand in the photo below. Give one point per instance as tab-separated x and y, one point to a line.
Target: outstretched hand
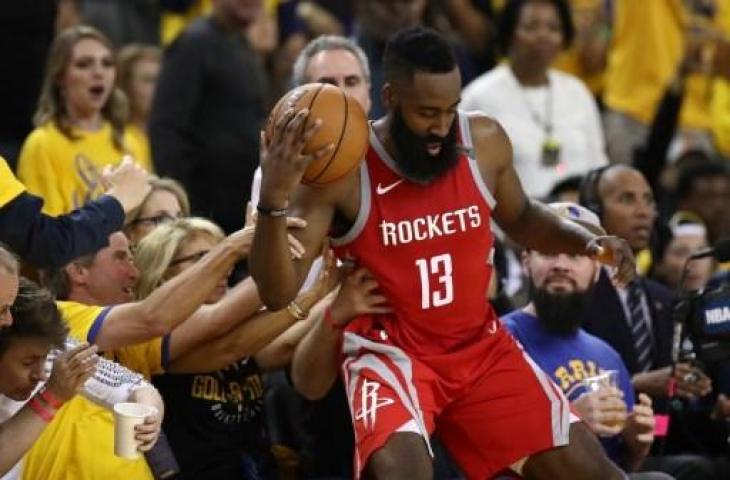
128	183
283	161
358	295
615	252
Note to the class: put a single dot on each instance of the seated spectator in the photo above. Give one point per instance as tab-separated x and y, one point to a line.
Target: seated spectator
636	320
24	347
550	116
49	242
704	189
685	238
139	67
80	124
550	331
98	308
25	364
166	201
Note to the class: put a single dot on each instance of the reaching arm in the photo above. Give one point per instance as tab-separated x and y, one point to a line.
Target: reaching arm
530	223
315	363
280	351
282	167
244	340
525	221
255	334
171	303
209	321
46	241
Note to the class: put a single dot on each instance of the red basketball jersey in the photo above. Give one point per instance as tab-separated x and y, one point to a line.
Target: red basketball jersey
429	247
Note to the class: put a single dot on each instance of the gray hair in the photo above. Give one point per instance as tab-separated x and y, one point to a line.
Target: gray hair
325	43
8	261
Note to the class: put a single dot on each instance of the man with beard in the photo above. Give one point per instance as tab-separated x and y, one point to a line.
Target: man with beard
548	328
417	216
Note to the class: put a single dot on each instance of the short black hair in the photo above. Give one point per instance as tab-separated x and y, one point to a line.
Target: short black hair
507	22
35	316
690	174
417	49
571	183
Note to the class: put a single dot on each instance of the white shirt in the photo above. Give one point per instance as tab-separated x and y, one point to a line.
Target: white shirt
523	111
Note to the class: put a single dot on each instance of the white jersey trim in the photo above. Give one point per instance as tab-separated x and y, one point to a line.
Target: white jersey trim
383	153
363	212
466	137
352	344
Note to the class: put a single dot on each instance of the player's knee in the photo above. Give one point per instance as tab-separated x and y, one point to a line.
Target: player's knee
582	459
404	456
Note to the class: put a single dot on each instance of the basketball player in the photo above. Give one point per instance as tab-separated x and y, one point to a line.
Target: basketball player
417	215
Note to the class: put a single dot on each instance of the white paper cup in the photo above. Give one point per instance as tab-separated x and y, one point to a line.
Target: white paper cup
126	417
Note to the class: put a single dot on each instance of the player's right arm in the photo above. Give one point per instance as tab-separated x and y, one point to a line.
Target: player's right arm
277	275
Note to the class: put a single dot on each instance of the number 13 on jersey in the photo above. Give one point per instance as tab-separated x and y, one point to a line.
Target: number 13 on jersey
437	281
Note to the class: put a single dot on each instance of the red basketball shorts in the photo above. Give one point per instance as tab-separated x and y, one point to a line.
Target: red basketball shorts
508	410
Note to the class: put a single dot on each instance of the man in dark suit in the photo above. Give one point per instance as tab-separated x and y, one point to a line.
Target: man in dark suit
637	320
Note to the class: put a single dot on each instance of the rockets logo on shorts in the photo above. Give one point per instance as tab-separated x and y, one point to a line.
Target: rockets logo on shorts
370	402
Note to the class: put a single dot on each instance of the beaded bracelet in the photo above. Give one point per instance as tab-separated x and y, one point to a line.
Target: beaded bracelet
40	410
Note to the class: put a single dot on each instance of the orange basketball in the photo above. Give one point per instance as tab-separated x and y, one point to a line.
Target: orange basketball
344	124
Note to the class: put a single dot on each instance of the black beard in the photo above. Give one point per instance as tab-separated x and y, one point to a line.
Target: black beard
560	313
413	158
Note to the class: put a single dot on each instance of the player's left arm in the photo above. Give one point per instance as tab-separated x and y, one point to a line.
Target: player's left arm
527	221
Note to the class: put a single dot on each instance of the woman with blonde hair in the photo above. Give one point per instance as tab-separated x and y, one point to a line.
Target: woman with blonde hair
214	420
138	67
80	123
166	201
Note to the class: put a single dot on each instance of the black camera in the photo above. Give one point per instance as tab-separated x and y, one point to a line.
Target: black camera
702	326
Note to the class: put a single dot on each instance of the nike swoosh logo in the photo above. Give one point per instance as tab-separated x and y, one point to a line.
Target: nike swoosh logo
382	190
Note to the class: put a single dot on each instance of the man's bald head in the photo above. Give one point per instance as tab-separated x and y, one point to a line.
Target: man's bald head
628	207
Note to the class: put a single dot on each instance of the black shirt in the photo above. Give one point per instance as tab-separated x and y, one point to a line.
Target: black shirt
206	118
213	420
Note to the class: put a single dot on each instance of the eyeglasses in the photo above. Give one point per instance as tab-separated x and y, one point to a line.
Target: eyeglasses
155	220
193	257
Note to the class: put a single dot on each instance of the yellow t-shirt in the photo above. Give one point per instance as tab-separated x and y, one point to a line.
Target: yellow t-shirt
720	106
569	61
66	173
10	187
647	46
721	115
172	24
138	136
79	443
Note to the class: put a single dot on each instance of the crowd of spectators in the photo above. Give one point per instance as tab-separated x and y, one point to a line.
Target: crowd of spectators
130	137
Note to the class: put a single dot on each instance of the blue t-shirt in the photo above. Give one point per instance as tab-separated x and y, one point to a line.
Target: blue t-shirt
570	359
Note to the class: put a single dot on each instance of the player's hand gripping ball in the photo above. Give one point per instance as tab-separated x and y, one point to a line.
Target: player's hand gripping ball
344	124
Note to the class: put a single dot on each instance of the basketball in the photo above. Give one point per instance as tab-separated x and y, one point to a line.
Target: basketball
344	124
